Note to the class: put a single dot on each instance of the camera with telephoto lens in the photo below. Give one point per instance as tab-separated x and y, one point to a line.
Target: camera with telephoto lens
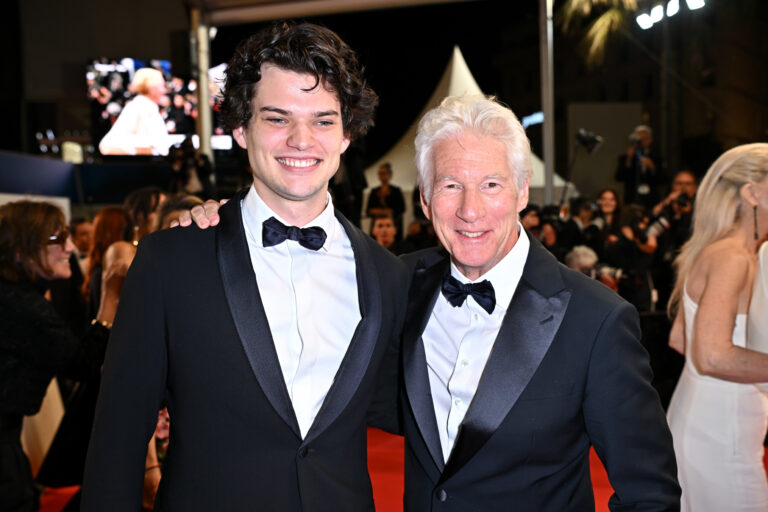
637	142
667	216
635	224
683	200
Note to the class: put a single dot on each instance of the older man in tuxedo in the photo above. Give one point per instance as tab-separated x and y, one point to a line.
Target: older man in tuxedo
514	366
268	358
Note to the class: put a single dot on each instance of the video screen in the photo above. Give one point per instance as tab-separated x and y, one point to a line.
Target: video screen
140	108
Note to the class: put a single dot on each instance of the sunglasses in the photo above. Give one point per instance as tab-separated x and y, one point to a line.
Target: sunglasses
59	238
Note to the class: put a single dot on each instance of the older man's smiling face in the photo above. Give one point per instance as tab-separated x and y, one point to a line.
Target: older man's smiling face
475	201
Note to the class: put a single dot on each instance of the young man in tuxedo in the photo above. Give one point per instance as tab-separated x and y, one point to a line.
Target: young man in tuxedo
269	358
514	366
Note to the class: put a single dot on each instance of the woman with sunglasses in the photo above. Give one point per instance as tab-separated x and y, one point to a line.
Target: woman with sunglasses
35	344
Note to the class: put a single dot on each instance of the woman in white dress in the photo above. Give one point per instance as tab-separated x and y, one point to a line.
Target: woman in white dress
140	128
717	415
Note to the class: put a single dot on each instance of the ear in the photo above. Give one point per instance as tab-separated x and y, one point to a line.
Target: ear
239	135
522	197
424	205
748	194
344	144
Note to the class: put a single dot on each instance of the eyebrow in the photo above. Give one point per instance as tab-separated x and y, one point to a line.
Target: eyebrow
275	110
283	112
499	176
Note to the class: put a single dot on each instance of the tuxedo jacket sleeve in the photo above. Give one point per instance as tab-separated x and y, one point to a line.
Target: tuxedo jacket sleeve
191	331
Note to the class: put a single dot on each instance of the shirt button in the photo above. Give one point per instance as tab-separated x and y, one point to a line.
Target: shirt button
442	495
465	363
457	401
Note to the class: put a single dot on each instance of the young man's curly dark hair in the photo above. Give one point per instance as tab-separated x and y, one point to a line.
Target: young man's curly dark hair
302	48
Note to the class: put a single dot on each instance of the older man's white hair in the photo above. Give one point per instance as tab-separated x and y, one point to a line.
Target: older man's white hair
479	115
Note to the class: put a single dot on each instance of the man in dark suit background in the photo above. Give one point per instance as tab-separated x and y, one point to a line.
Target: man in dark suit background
641	169
269	358
514	365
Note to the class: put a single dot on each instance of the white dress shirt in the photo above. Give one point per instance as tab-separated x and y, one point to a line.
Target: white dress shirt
458	341
310	299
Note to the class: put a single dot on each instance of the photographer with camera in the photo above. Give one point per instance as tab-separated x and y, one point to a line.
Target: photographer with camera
680	199
632	252
672	227
640	169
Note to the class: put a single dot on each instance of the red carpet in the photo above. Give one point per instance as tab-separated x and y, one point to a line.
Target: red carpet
385	462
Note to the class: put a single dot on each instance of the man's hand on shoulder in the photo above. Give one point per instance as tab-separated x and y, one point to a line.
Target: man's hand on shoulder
204	215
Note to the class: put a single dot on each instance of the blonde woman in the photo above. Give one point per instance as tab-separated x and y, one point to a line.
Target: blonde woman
140	129
717	415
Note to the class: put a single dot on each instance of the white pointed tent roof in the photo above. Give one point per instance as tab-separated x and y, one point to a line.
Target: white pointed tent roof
456	80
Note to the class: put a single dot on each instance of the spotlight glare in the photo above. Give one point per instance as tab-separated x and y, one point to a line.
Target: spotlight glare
644	21
657	13
695	4
673	7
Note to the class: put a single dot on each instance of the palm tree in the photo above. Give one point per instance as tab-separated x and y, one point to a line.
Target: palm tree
611	16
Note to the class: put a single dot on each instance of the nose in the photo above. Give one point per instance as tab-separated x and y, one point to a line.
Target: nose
471	206
300	137
69	246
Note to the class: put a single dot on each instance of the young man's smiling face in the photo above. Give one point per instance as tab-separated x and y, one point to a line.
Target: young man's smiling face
294	139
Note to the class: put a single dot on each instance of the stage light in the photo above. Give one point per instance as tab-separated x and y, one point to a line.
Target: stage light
644	20
673	7
657	13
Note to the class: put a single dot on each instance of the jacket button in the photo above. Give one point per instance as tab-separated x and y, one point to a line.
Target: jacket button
442	495
303	452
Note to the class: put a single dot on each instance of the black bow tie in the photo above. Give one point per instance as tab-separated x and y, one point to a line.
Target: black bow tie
456	293
275	232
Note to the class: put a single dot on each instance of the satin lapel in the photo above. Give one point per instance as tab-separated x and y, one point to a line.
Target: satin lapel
247	309
358	357
425	287
529	326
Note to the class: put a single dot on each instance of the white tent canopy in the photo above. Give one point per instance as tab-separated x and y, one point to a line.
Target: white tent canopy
456	80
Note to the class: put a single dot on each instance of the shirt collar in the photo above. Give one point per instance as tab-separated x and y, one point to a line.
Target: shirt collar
506	274
255	212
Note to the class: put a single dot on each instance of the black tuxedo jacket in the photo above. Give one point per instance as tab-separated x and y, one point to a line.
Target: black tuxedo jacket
191	330
567	371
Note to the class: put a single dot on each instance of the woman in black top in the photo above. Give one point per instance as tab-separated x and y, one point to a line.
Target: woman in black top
35	344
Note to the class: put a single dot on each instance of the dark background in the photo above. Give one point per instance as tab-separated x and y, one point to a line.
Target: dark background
405	52
713	98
